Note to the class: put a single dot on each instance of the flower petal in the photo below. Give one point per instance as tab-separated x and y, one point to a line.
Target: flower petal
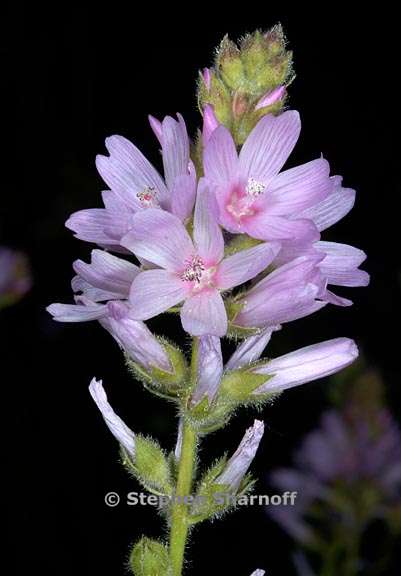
77	312
204	314
251	349
332	208
117	427
238	464
153	292
246	264
107	272
309	363
340	265
266	227
128	172
159	237
268	146
183	194
175	148
220	159
300	187
209	369
99	225
208	236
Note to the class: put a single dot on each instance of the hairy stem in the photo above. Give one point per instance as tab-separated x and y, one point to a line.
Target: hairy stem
179	513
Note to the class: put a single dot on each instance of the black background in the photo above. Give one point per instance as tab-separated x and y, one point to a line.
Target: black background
71	78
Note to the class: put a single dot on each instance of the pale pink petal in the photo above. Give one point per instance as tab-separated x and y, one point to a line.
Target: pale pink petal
128	172
246	264
175	147
95	294
156	126
266	227
153	292
76	312
208	236
107	272
113	203
210	123
332	209
99	225
220	159
309	363
298	188
204	314
183	194
340	265
268	146
161	238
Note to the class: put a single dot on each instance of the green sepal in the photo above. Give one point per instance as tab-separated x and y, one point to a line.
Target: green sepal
229	64
172	384
150	558
150	466
238	386
240	242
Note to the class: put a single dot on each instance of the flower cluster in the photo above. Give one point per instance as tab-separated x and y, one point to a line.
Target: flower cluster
229	239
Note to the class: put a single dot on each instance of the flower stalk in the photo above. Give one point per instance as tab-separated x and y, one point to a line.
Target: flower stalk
179	513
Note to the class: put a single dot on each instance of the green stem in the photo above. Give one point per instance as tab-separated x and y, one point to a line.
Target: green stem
179	514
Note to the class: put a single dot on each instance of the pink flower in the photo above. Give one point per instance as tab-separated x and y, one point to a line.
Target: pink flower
136	185
253	196
190	271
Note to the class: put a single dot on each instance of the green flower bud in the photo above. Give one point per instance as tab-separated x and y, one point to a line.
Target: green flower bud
170	384
150	466
149	558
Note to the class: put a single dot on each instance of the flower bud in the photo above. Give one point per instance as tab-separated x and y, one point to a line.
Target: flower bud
238	465
135	338
149	558
271	97
117	427
209	369
307	364
210	123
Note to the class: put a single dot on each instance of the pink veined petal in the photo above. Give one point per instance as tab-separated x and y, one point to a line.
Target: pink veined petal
331	209
298	188
251	349
107	272
245	265
263	226
183	194
309	363
154	292
128	172
220	159
175	147
113	203
208	236
332	298
268	146
76	312
156	126
340	265
161	238
296	272
284	305
95	294
94	225
204	314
